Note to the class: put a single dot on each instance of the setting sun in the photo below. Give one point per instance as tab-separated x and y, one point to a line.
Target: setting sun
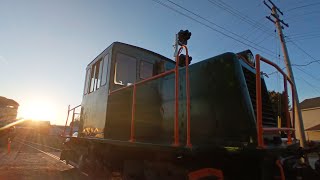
37	110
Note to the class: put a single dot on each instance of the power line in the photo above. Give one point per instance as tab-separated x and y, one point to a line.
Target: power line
301	65
304	38
271	53
266	37
199	16
307	73
297	65
304	34
300	69
314	88
300	15
226	7
256	25
305	52
311	85
304	6
253	30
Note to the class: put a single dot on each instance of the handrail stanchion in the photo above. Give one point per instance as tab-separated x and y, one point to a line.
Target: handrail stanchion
188	100
72	122
65	126
133	111
176	119
176	96
259	103
293	110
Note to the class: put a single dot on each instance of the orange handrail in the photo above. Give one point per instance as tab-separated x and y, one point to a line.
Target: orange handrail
133	112
176	107
260	129
72	120
144	81
176	119
133	108
259	102
65	126
176	116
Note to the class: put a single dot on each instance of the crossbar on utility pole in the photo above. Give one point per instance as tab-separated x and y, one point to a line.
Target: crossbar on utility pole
296	105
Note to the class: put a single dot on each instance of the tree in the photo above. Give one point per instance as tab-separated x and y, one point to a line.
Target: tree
277	100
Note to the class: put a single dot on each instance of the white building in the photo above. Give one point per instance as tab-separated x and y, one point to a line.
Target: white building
310	109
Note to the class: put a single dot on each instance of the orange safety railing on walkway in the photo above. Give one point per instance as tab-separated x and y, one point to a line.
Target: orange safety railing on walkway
260	128
176	117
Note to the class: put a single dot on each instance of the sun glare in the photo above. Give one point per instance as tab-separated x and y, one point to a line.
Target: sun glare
37	110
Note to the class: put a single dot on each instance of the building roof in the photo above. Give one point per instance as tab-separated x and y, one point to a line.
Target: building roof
310	103
314	128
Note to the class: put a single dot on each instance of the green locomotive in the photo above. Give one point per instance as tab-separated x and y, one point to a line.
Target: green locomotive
147	117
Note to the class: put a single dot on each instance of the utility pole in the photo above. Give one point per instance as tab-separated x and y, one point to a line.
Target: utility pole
296	105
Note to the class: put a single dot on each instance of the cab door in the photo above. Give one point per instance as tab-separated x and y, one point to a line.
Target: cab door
94	103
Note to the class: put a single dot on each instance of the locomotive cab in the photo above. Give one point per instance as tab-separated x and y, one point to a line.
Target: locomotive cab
118	66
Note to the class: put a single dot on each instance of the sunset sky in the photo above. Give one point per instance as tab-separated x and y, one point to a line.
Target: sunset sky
45	45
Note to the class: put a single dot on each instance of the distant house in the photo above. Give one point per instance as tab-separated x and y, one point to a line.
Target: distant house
8	109
310	109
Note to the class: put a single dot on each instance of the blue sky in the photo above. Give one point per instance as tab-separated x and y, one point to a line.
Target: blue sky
46	45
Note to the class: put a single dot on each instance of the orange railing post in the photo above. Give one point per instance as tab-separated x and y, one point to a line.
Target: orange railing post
133	111
176	95
259	102
176	119
71	124
65	126
293	110
188	100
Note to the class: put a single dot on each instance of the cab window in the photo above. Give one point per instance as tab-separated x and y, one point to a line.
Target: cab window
125	70
146	70
105	70
87	81
95	77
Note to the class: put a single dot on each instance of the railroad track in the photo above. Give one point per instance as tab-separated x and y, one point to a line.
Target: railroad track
28	143
37	144
33	146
